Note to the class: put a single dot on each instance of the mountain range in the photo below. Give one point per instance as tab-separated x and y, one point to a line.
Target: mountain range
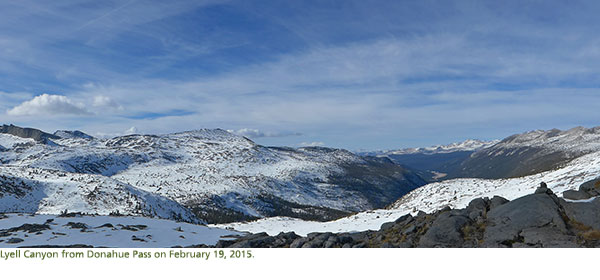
515	156
204	175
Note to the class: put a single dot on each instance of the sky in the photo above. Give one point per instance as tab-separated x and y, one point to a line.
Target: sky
360	75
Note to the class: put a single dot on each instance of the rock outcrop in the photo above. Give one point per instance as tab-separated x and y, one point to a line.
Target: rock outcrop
32	133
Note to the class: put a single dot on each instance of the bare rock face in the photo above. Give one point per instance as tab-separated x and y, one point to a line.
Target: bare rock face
584	213
537	218
32	133
575	195
445	231
587	190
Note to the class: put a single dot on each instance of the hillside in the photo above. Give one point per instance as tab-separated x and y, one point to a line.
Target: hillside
530	153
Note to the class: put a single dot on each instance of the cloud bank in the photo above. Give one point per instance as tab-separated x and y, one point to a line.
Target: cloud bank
47	104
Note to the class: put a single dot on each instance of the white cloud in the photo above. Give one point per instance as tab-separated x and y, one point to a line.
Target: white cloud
47	104
131	130
312	144
255	133
106	102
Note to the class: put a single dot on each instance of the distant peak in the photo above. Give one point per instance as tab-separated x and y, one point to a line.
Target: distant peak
72	134
467	145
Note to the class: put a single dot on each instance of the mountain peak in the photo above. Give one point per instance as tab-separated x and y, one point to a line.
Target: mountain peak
72	134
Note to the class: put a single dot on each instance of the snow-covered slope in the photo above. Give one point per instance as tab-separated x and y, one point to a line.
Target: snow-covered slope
219	176
8	141
34	190
530	153
575	140
24	230
455	193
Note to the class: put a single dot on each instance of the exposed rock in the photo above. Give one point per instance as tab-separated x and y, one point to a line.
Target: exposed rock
445	231
387	226
586	213
497	201
31	133
591	187
285	239
547	237
258	240
506	223
409	230
298	243
543	188
76	225
575	195
14	240
29	228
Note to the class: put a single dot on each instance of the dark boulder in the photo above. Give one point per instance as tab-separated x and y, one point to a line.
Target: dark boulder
586	213
445	231
575	195
477	208
14	240
512	222
298	243
497	201
591	187
258	240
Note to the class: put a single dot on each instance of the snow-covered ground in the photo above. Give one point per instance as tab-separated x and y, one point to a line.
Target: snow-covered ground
455	193
42	191
9	141
108	231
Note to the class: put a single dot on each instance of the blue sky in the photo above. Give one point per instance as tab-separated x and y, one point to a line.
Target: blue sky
350	74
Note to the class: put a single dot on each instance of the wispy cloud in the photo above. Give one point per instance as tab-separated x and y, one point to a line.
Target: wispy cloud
312	144
353	74
104	102
255	133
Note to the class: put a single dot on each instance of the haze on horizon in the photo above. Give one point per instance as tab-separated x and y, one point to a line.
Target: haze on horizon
348	74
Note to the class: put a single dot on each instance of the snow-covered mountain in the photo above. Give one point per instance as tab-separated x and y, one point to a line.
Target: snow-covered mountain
465	146
216	175
517	155
530	153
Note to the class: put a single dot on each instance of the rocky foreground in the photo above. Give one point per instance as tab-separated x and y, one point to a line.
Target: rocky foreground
537	220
